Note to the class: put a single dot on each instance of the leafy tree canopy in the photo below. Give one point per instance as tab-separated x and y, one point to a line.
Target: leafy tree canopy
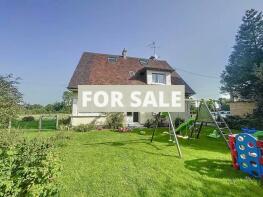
10	99
67	100
243	75
57	107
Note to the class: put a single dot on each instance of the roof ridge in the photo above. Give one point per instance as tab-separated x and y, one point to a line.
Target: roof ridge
130	57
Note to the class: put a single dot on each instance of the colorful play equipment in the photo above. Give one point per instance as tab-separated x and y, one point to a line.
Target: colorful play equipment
185	125
215	134
247	152
204	115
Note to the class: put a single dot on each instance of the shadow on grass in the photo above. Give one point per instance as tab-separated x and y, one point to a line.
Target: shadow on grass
118	143
203	143
161	136
122	144
213	168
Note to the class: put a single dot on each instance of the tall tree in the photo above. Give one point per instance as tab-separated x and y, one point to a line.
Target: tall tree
10	99
242	76
67	101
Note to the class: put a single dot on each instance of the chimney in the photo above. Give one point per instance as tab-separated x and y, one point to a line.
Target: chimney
124	53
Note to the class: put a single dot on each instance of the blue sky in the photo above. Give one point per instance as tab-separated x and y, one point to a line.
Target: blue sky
42	41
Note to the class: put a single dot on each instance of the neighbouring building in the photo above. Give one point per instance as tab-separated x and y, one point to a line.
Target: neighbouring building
104	69
242	108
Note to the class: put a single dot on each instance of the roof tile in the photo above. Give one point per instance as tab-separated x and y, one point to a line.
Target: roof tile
95	69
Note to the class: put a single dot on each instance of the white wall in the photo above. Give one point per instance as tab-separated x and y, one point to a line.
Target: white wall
75	121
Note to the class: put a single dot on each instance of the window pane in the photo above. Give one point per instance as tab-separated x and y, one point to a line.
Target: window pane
158	78
161	78
154	77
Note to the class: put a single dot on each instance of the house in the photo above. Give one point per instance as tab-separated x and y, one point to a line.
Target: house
104	69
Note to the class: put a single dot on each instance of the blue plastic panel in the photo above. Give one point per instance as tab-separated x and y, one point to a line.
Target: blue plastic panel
248	155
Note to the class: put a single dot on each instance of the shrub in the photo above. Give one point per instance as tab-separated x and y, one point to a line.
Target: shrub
27	167
64	121
64	124
84	127
114	120
28	118
178	121
150	123
64	127
160	120
236	122
163	122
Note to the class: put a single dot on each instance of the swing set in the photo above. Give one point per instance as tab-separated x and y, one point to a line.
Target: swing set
172	130
195	125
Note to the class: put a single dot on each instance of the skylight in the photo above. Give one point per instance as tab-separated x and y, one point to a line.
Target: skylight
144	61
112	59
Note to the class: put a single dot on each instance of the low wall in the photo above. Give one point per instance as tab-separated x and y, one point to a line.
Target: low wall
97	120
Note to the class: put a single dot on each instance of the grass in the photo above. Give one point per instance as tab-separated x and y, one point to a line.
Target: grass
106	163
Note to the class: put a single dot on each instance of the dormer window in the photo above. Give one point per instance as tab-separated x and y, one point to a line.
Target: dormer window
159	78
112	59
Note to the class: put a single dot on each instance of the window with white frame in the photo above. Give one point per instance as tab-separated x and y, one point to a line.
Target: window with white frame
159	78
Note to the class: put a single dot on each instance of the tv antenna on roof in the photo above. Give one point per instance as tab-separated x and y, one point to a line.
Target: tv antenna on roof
154	47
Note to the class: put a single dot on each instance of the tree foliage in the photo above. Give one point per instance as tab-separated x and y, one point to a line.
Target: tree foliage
29	167
67	100
114	120
63	106
243	76
10	99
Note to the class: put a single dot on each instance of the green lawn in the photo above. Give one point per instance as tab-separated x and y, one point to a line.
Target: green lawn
106	163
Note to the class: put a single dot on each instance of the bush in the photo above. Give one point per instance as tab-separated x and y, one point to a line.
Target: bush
28	118
150	123
27	167
114	120
64	121
84	127
236	122
178	121
161	121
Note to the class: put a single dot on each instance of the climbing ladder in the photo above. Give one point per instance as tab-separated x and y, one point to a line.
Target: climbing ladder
220	123
218	120
172	132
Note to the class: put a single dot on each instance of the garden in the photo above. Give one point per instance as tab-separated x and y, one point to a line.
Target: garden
110	163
